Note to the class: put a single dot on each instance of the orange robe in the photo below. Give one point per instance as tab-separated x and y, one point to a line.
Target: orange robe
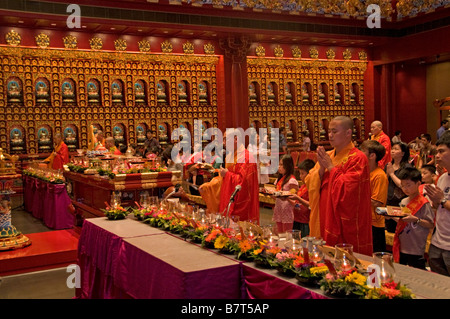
59	157
246	201
340	202
384	140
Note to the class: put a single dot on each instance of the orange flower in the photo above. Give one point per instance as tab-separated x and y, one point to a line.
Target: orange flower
389	292
245	246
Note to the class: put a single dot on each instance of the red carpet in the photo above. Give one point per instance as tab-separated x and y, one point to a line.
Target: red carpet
47	250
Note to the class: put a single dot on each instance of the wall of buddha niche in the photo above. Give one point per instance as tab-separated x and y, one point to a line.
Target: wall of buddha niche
304	94
123	94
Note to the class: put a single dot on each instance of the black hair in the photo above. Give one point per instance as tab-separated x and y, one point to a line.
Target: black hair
288	164
430	168
410	173
306	165
406	154
444	139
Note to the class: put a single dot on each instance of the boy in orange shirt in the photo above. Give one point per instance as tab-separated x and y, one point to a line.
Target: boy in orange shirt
379	189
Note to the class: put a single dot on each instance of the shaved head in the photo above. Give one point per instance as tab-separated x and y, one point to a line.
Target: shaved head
346	122
378	123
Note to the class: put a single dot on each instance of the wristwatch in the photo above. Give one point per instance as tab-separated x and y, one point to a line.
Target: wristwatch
443	201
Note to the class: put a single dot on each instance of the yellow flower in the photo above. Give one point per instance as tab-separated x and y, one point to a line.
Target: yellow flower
257	251
220	242
356	278
318	270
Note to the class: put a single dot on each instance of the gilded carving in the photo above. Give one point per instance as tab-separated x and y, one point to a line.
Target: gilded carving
331	54
144	46
313	53
166	47
347	54
13	38
70	42
260	51
96	43
278	51
188	48
208	48
42	40
296	52
120	44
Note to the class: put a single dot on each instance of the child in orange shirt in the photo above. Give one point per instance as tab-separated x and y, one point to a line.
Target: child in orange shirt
379	189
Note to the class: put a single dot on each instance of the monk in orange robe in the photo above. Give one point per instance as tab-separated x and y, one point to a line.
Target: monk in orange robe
339	191
376	128
60	154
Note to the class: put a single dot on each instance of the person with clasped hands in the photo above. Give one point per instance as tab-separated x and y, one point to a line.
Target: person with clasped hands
439	251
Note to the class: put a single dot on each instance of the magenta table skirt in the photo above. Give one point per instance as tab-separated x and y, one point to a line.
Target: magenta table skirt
129	259
266	284
48	202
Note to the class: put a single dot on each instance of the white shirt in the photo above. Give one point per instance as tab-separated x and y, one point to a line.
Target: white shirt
441	236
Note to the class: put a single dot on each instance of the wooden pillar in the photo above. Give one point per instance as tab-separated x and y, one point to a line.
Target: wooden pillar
233	106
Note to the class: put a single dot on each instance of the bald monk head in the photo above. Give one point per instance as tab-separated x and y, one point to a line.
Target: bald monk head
340	132
376	127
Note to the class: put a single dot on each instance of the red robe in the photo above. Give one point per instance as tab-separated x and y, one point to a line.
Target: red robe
59	157
384	140
343	205
246	201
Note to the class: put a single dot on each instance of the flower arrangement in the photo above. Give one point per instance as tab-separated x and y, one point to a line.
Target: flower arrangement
265	255
115	213
351	284
46	176
77	168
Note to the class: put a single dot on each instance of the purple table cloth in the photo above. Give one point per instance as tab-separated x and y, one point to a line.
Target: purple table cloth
167	267
265	284
48	202
129	259
98	250
56	207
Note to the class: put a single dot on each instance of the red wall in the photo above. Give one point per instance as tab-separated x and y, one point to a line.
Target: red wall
409	112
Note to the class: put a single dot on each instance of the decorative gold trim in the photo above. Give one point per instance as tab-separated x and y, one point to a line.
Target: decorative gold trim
260	51
70	42
313	53
166	47
208	48
188	48
42	40
13	38
278	51
331	54
120	44
144	46
347	54
296	52
96	43
362	55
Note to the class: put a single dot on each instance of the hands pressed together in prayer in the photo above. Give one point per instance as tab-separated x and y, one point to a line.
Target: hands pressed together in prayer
434	193
324	160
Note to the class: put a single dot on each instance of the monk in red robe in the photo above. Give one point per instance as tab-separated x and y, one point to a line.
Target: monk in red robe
339	191
60	154
240	170
376	128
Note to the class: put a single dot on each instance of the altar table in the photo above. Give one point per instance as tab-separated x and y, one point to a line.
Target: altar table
48	202
130	259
